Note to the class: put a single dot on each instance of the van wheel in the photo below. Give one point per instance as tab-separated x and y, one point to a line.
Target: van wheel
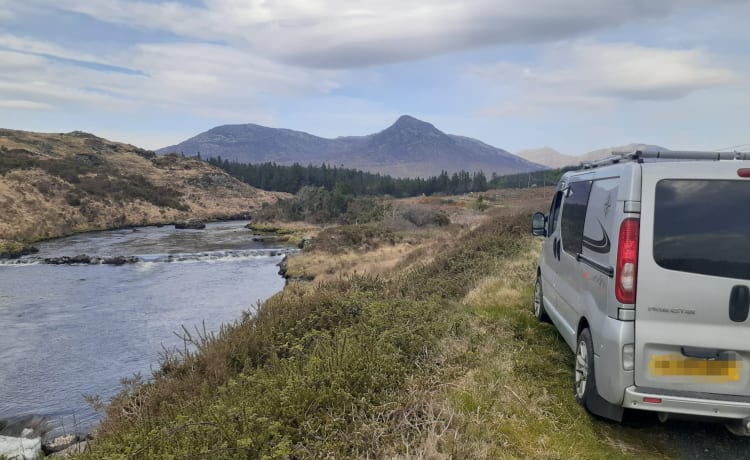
539	311
585	383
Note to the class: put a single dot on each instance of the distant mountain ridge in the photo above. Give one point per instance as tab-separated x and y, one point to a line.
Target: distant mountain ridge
408	148
551	158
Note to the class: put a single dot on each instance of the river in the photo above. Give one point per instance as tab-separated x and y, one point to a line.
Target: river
73	330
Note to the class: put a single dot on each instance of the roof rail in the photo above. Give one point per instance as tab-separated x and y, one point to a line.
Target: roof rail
638	155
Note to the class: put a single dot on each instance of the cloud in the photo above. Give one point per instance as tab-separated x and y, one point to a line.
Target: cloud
346	33
631	71
215	80
591	76
23	105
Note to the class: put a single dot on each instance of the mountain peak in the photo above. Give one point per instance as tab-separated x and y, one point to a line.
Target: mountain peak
408	148
407	121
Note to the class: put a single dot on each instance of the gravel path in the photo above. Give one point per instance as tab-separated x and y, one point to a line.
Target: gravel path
693	439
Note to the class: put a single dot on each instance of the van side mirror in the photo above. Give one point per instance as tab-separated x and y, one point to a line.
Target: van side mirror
539	224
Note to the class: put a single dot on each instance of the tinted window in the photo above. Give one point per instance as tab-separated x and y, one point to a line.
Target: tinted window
703	226
554	213
574	216
600	216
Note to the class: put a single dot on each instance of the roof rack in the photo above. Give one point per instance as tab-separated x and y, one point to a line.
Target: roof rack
639	155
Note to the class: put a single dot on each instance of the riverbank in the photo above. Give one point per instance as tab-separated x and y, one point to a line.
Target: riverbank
427	358
54	185
73	330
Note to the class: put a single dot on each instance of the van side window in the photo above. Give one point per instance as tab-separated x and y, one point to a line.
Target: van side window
554	213
574	216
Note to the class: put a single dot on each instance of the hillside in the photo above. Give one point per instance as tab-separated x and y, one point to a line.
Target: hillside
408	148
554	159
548	157
58	184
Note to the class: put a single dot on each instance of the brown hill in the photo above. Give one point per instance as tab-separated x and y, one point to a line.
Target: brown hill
57	184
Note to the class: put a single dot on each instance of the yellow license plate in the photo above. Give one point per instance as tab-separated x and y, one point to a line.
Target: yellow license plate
673	365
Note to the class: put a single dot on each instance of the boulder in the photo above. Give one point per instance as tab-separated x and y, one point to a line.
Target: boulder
190	224
76	448
121	260
20	448
59	443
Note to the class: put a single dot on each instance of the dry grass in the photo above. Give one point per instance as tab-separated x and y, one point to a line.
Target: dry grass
50	189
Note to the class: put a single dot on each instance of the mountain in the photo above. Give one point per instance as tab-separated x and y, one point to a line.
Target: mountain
408	148
554	159
57	184
548	157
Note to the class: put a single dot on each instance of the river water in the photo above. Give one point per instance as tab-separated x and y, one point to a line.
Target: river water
73	330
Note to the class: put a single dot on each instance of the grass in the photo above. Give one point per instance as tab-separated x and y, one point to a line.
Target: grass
437	358
515	399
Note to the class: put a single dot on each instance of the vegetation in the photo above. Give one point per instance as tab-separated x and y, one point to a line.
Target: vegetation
291	179
13	249
438	358
318	205
534	179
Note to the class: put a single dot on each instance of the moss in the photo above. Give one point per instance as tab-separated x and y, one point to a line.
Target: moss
263	228
14	249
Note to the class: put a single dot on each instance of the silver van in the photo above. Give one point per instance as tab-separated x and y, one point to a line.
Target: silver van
645	273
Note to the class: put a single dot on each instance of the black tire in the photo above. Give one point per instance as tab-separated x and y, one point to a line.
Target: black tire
585	378
538	304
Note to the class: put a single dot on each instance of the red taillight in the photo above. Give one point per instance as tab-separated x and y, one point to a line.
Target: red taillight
651	400
743	172
626	273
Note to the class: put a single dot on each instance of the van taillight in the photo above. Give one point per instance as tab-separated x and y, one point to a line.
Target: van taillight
627	261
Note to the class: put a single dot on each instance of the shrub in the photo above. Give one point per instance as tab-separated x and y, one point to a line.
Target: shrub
423	216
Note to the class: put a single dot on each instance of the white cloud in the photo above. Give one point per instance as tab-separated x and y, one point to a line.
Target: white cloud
23	105
592	77
215	80
632	71
352	33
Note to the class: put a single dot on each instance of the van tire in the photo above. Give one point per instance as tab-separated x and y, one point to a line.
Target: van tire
538	303
585	378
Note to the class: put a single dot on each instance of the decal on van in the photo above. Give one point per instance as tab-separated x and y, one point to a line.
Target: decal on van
601	246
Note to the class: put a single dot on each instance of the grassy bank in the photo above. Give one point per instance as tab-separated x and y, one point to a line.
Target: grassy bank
438	357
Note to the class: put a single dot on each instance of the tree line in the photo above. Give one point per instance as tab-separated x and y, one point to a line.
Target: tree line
283	178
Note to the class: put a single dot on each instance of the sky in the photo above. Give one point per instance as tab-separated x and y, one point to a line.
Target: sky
574	75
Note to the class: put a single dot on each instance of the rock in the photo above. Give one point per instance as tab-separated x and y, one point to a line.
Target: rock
283	267
91	260
20	448
270	239
59	443
190	224
24	426
76	448
121	260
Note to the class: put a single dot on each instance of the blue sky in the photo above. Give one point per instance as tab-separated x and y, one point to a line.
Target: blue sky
575	75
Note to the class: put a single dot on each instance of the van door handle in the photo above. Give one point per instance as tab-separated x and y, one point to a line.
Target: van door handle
739	304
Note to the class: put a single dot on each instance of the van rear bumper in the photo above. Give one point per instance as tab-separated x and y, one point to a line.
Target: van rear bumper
678	402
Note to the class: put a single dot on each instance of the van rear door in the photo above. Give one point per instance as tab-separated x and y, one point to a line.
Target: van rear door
692	331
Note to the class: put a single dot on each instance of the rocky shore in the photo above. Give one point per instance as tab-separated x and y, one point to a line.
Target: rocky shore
84	259
28	438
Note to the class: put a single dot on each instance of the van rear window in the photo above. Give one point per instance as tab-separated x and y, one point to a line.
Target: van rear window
703	226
